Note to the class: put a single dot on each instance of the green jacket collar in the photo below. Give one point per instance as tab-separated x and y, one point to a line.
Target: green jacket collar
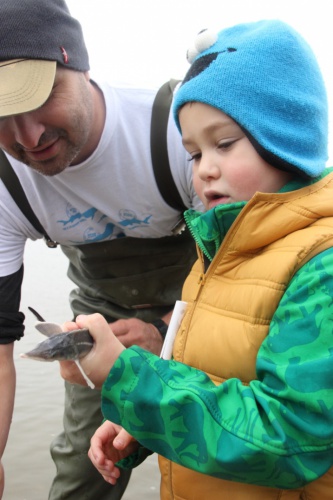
209	228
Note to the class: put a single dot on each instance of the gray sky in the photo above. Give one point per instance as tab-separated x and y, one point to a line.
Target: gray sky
144	42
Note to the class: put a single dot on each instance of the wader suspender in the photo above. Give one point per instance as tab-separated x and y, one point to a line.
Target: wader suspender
159	154
159	146
15	189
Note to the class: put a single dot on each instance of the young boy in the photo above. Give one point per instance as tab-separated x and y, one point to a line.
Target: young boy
245	408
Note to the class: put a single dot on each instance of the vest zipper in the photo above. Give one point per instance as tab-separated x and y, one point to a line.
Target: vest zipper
202	276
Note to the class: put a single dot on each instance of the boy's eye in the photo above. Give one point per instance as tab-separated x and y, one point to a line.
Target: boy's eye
194	157
226	144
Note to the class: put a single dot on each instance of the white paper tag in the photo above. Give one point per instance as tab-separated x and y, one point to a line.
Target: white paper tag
176	318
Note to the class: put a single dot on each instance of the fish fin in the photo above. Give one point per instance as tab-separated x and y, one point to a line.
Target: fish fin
47	328
36	314
86	378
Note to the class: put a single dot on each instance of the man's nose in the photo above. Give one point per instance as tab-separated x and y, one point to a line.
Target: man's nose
27	130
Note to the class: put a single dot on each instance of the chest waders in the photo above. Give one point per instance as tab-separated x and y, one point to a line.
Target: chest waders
129	277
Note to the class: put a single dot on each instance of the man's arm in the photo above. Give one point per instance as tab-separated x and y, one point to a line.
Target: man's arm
11	329
7	394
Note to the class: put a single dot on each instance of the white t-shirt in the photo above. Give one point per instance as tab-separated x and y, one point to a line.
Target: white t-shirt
111	194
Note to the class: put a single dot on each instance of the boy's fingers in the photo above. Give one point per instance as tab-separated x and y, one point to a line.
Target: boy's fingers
122	440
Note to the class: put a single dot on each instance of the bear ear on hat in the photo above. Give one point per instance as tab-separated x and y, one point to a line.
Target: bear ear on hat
204	39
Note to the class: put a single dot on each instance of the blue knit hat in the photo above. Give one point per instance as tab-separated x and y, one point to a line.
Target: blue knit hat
266	78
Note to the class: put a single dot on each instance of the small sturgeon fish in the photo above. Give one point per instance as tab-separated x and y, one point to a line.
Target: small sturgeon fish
61	346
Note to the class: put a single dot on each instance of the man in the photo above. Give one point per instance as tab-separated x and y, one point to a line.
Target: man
81	152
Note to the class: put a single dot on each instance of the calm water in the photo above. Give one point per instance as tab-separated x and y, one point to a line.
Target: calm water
39	395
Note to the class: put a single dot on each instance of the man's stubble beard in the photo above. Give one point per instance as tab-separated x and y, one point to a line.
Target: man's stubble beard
55	165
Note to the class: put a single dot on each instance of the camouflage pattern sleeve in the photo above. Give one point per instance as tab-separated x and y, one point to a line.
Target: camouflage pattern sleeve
277	432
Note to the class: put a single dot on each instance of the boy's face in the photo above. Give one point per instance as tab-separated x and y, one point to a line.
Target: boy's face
226	167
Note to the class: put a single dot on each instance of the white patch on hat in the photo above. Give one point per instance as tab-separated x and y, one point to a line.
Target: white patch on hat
204	39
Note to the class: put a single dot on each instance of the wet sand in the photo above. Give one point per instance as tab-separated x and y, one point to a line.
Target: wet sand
39	395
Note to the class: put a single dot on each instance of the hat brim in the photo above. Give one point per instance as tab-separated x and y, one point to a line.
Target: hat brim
25	84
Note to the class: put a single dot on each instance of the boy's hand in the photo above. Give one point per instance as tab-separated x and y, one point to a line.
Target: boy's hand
109	444
99	361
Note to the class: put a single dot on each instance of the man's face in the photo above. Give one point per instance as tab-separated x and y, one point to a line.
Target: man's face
59	133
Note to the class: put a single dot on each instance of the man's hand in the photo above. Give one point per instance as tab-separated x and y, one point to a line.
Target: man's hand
2	480
136	332
109	444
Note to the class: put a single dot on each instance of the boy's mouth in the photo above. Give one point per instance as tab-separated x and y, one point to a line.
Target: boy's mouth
214	199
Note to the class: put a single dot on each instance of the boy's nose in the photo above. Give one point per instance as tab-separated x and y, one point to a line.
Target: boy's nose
208	169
